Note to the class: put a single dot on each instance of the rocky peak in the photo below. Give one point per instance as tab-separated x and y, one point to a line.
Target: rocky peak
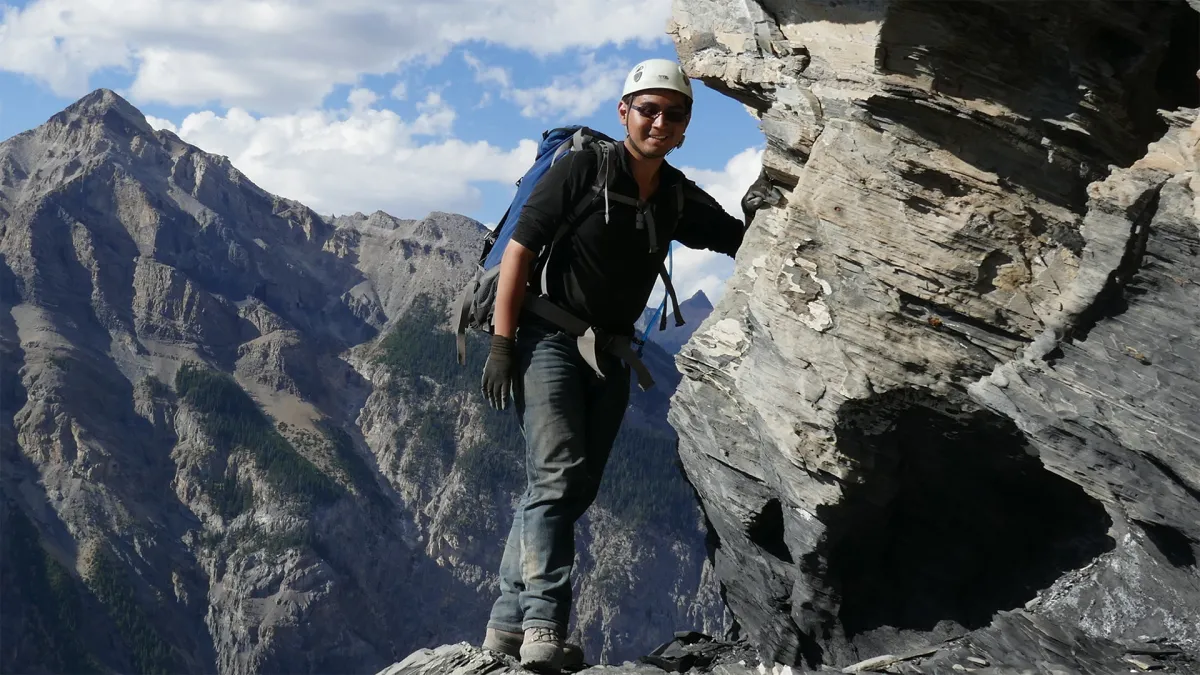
107	108
694	310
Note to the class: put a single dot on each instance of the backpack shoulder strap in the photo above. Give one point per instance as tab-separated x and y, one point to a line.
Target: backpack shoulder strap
664	272
604	171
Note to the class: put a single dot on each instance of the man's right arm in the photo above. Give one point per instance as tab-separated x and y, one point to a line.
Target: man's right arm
537	223
498	370
510	288
552	200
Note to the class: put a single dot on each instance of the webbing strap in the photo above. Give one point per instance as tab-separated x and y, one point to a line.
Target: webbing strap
542	307
666	277
599	186
621	349
588	340
618	197
646	215
666	274
464	318
575	144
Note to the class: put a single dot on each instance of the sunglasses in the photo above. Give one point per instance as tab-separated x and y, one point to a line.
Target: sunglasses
651	112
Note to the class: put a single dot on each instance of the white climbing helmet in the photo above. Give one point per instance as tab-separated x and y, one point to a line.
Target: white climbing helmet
657	74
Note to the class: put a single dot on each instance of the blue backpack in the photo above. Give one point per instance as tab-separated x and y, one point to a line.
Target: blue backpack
477	301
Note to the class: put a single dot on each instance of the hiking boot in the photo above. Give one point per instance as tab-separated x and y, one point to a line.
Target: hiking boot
504	642
542	650
509	644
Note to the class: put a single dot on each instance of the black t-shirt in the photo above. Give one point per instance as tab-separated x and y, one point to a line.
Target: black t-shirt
603	272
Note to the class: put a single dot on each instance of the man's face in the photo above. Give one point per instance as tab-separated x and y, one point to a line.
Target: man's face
646	121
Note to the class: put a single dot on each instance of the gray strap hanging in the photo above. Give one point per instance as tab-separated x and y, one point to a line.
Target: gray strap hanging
662	272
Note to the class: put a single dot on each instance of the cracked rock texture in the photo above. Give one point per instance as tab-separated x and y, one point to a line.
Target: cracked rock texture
956	371
1015	643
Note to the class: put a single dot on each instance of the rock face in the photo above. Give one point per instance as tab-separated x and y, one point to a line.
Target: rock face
956	372
234	437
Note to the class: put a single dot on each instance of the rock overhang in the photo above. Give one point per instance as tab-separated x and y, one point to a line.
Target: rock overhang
949	223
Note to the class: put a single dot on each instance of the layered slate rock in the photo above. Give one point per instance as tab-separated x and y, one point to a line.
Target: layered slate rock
465	659
955	373
1015	643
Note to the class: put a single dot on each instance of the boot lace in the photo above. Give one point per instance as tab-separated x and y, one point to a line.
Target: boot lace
541	634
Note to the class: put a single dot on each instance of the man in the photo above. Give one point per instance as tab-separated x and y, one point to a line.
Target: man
602	272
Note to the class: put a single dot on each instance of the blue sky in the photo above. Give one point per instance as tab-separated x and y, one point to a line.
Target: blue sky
356	105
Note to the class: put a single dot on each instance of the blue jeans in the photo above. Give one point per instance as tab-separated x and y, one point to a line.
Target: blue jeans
569	418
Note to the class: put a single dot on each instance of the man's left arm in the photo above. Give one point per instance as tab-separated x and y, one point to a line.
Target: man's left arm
704	224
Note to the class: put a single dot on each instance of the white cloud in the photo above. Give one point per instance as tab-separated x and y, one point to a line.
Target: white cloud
358	158
697	271
730	184
361	99
160	123
436	116
705	270
400	91
281	55
575	95
485	74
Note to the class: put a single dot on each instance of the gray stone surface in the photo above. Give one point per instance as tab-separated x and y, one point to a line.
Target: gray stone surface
464	659
1014	643
955	373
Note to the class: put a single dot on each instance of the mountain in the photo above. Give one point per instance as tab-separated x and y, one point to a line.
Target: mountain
234	437
694	310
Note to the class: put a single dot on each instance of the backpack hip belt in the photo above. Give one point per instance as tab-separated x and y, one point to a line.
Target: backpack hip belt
590	339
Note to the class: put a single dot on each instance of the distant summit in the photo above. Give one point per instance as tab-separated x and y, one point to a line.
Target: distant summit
108	108
695	310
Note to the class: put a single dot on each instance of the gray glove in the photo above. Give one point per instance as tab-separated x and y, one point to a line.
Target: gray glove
498	372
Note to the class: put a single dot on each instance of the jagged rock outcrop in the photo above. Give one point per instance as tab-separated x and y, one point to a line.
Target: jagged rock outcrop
1015	643
463	659
955	372
234	437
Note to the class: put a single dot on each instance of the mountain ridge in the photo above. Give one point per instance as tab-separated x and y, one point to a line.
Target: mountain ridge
240	408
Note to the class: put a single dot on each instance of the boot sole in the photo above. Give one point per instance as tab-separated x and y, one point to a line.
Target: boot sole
552	664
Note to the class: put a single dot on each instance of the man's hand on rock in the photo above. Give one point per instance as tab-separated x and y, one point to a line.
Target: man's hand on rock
759	193
498	372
